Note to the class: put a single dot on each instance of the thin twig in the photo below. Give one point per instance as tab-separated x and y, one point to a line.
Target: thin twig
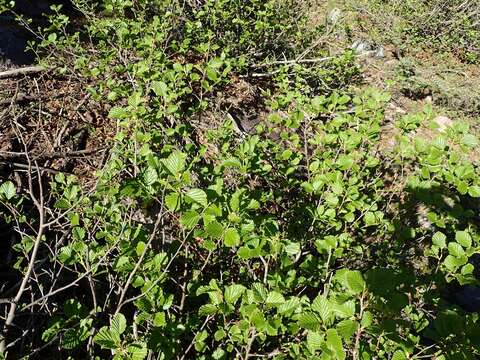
41	228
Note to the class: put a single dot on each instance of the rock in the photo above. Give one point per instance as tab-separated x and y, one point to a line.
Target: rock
443	122
367	49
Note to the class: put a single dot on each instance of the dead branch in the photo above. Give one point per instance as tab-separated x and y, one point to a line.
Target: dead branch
29	70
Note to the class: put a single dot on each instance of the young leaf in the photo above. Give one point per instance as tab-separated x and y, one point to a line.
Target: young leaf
274	298
7	189
334	343
174	163
189	219
355	282
463	238
107	339
214	229
197	195
233	293
119	324
322	306
231	238
346	328
455	249
439	239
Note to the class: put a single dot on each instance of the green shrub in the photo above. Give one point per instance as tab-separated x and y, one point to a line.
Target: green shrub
300	240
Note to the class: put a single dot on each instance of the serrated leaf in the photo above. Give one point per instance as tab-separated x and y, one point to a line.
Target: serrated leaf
207	309
150	176
439	239
469	140
7	189
118	324
322	306
455	249
399	355
189	219
138	351
309	321
62	204
274	299
231	237
367	319
175	163
346	328
474	191
117	113
289	305
107	339
334	343
214	229
292	248
160	88
314	340
197	195
233	293
354	281
463	238
172	201
345	310
71	338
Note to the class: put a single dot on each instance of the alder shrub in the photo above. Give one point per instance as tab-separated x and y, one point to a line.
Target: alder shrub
304	238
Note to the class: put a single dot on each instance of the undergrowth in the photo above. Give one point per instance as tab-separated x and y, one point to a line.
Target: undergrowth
299	239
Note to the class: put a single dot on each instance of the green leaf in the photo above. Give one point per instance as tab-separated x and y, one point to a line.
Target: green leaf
439	239
354	281
138	351
455	249
367	319
370	218
189	219
274	299
214	229
334	343
289	305
469	140
175	163
346	328
474	191
7	189
72	338
322	306
117	113
314	340
160	88
197	195
118	324
172	201
399	355
463	238
231	238
62	204
309	321
150	176
107	339
292	248
207	309
233	293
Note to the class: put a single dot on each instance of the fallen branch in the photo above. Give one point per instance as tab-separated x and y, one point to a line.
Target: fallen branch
19	99
294	61
29	70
